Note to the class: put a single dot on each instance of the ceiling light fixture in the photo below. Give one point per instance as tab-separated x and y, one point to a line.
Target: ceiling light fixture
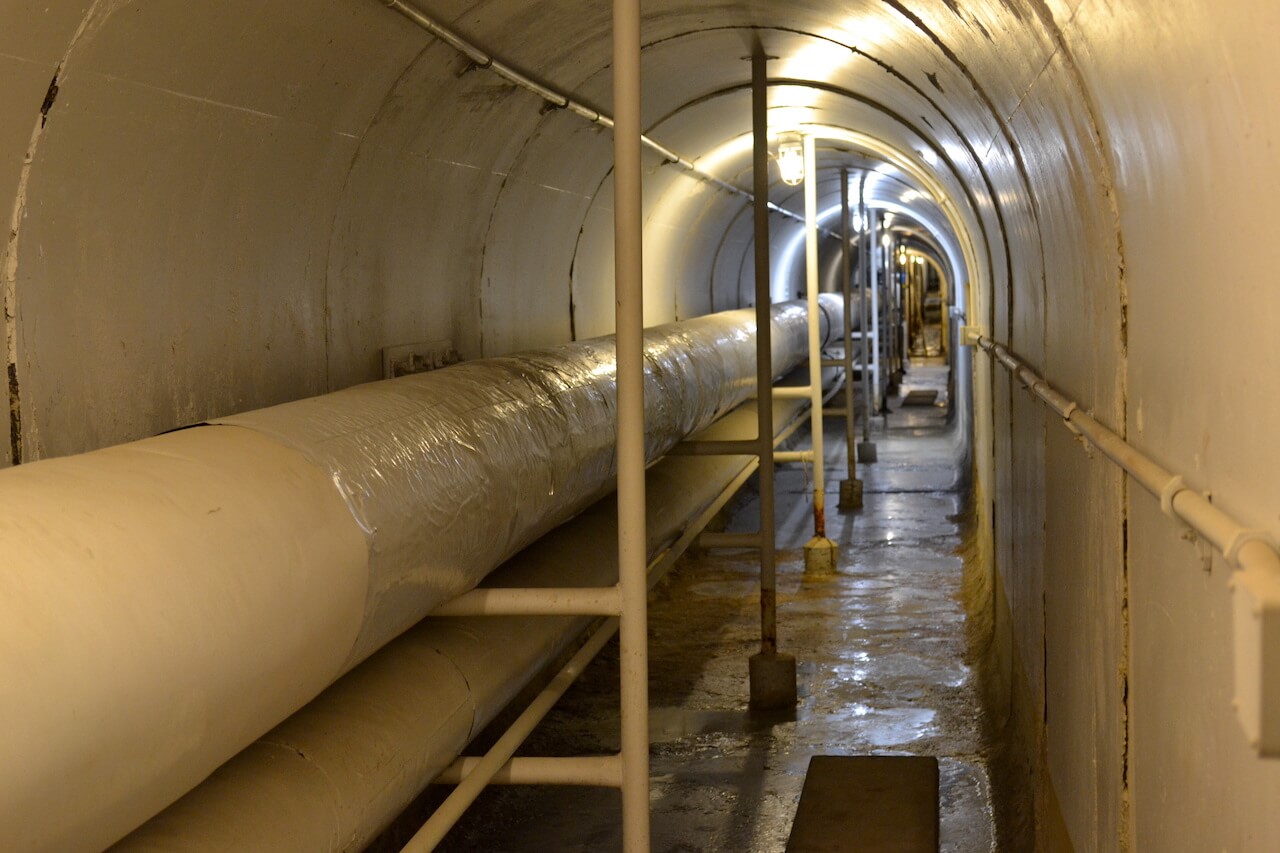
791	160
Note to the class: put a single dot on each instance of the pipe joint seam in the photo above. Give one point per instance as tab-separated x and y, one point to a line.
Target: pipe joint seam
1168	493
1066	421
1244	537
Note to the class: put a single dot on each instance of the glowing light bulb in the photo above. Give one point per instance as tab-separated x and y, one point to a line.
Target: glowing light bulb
791	162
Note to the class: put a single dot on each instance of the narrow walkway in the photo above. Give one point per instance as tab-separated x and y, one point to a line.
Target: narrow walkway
880	649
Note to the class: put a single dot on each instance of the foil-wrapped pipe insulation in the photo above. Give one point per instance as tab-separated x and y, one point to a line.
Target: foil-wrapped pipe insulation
336	773
164	603
453	472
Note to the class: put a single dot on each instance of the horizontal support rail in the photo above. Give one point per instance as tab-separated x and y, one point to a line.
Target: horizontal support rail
735	447
729	540
484	769
792	392
781	456
599	771
1252	553
538	601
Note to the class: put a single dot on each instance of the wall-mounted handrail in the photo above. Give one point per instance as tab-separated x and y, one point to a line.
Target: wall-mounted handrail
1252	553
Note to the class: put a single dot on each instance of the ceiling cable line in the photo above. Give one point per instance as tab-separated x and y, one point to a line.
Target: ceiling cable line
560	100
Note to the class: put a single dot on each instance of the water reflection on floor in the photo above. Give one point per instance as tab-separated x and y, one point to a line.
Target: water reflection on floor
880	649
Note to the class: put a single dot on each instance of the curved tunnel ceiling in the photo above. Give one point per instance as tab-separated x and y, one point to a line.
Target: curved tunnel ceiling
352	182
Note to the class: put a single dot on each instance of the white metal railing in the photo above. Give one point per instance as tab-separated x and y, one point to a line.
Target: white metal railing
500	766
1251	553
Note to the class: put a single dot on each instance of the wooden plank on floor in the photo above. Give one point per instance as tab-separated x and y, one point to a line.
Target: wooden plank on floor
868	804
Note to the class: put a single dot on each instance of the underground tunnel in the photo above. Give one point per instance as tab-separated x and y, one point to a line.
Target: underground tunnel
370	364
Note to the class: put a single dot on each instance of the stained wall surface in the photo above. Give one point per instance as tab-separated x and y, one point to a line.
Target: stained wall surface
217	207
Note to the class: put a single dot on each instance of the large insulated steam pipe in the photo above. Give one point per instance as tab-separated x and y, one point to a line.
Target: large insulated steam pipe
333	775
166	602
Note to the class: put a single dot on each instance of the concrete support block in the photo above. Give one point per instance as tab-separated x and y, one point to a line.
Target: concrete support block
773	681
866	451
850	494
820	556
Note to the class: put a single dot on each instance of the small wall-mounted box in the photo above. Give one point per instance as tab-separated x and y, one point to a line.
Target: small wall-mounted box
406	359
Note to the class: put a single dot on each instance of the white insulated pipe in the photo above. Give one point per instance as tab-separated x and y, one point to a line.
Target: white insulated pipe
162	603
334	774
166	602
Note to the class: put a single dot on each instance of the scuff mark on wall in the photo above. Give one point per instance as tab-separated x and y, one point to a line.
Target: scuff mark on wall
9	268
1126	729
9	272
49	97
573	305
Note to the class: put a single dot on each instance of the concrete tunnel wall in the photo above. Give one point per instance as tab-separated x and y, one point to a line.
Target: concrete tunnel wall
221	206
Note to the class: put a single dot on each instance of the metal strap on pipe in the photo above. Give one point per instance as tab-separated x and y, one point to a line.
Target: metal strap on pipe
560	100
1252	553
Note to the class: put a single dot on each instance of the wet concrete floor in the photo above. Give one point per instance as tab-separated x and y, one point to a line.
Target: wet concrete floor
880	649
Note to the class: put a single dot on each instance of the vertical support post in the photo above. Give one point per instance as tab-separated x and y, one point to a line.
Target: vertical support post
819	552
628	236
893	309
851	486
772	675
866	243
877	360
900	307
